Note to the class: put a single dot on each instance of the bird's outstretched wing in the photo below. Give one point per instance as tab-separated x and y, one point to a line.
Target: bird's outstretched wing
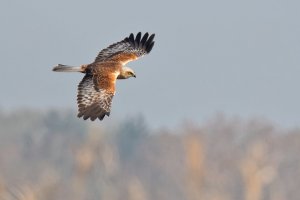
130	48
94	98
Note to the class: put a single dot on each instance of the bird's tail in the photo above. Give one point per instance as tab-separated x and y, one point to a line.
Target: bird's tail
66	68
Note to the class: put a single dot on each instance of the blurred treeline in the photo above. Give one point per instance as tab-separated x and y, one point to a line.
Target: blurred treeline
52	155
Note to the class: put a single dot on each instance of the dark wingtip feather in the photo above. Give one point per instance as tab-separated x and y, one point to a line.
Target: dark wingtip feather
93	118
79	115
144	39
149	47
92	114
150	39
145	43
138	39
131	37
100	114
101	117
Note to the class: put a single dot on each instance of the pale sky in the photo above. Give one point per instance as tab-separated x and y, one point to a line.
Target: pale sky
237	57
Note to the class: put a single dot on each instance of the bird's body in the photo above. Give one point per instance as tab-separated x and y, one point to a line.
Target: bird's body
97	88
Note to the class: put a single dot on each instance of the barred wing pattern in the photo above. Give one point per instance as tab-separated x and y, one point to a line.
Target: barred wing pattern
92	102
128	49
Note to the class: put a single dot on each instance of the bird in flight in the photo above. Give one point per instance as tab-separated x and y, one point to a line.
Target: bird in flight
97	88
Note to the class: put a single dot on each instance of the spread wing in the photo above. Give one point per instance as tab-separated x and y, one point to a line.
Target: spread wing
128	49
94	98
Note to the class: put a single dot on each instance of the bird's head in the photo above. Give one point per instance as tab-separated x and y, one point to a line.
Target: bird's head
126	73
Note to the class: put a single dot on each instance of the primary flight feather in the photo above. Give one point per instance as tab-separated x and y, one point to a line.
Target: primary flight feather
97	88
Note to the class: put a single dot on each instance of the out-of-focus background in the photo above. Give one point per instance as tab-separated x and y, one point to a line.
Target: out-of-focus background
213	113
